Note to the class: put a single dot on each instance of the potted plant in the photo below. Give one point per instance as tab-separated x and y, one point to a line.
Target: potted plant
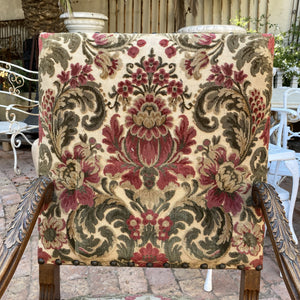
83	21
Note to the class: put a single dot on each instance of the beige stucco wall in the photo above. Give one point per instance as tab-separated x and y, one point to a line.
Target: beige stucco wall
280	13
89	5
11	10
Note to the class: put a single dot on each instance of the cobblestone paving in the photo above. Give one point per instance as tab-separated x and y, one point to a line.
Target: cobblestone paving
117	283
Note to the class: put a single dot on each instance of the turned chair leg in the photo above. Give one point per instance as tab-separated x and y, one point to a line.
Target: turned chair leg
250	284
49	282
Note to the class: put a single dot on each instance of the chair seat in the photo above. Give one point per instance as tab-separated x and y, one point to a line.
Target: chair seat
277	153
283	194
10	128
282	169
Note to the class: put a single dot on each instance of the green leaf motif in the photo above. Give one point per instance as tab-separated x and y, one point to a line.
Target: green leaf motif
73	40
258	164
237	130
45	160
57	55
66	127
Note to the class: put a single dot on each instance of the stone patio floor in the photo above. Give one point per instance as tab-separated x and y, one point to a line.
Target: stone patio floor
115	283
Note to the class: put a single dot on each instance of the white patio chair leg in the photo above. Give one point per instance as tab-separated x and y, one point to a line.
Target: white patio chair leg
35	155
208	281
293	167
15	142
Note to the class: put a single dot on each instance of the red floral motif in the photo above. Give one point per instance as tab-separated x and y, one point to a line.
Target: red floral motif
125	88
149	118
265	136
151	65
133	51
139	77
149	254
206	39
46	111
100	39
165	223
107	63
258	108
42	37
164	43
161	77
170	51
223	75
227	69
64	76
240	76
194	64
135	235
43	255
52	234
149	217
151	151
271	42
257	262
76	174
188	67
225	177
141	43
248	238
133	223
175	88
163	235
80	75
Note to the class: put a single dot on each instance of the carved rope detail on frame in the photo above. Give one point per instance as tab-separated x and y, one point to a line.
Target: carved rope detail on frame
286	251
21	227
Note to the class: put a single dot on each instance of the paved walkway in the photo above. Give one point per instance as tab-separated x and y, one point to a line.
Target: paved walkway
114	283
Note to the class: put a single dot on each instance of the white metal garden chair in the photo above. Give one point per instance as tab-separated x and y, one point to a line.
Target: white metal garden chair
284	161
17	130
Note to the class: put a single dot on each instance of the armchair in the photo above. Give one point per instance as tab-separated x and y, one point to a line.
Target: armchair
154	145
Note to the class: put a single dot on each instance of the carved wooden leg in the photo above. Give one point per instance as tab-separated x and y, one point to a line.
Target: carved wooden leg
250	284
49	282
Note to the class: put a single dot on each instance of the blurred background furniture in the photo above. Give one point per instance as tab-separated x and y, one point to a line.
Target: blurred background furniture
18	111
285	161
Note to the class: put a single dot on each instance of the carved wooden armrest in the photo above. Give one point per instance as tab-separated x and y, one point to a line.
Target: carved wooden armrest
286	251
20	229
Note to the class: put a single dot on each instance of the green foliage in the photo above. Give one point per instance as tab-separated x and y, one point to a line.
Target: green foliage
260	24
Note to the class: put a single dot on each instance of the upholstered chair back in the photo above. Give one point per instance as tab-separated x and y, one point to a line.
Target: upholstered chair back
153	142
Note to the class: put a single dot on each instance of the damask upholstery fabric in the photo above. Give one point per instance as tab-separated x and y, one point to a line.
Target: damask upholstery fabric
153	142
